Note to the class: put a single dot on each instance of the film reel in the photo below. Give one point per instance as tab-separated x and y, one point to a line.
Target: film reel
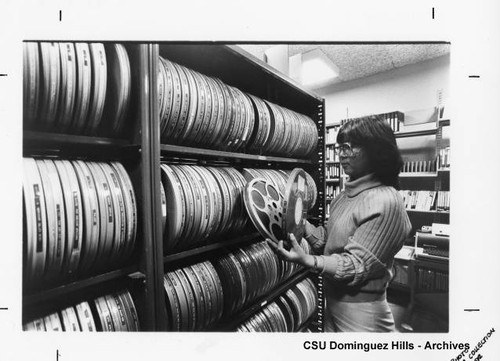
85	317
118	89
51	70
53	322
295	203
68	86
98	87
36	222
84	81
31	83
263	202
70	320
117	312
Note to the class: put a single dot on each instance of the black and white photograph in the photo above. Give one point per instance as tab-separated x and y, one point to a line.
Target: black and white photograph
266	212
259	194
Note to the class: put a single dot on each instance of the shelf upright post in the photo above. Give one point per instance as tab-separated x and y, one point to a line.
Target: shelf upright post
160	309
321	160
154	315
321	199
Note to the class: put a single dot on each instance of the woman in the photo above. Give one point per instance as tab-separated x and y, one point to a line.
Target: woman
367	227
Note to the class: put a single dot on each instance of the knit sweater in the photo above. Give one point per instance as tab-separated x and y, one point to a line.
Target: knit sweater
367	227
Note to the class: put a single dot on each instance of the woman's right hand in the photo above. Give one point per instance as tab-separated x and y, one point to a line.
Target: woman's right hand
296	254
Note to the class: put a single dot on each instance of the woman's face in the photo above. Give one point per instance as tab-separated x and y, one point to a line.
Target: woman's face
354	161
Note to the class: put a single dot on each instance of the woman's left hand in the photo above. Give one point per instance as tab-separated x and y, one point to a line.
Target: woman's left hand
296	254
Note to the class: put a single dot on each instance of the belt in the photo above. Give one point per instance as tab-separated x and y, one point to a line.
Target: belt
358	296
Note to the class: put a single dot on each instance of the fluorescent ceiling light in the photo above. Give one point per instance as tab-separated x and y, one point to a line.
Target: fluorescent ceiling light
317	69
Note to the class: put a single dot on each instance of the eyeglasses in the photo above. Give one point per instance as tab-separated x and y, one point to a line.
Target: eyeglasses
346	149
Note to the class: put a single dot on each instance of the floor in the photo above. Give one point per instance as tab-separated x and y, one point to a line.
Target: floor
427	316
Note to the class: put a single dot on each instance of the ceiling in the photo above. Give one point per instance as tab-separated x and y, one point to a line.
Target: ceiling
361	60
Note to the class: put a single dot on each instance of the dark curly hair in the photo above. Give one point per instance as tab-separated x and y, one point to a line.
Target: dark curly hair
375	136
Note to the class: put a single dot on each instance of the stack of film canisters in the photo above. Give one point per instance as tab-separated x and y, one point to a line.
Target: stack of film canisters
202	111
194	297
79	217
251	272
112	312
200	204
287	313
76	88
200	295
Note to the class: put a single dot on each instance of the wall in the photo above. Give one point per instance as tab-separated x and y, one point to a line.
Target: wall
409	88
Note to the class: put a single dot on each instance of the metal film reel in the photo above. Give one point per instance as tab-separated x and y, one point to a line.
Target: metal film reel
295	203
264	204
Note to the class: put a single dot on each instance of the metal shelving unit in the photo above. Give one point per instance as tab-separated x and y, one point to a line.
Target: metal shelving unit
237	68
142	152
437	181
136	274
201	153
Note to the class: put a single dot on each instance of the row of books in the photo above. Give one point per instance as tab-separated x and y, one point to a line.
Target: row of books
331	134
426	200
394	119
417	166
331	155
444	158
332	191
332	171
432	280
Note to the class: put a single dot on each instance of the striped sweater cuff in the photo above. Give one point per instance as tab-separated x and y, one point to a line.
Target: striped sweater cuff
330	265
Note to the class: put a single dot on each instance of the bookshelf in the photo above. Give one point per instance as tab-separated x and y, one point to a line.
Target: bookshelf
333	170
424	179
334	176
427	165
426	173
134	274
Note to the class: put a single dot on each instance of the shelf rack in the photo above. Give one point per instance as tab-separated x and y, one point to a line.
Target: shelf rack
418	174
421	211
142	152
418	133
63	290
228	244
237	68
137	160
437	181
261	302
170	149
47	139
